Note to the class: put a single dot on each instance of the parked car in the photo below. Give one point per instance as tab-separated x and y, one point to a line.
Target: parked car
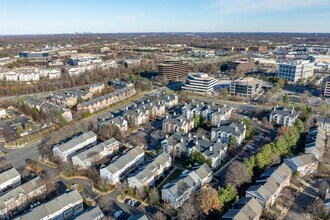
117	214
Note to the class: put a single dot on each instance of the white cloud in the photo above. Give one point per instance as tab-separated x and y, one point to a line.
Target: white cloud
250	6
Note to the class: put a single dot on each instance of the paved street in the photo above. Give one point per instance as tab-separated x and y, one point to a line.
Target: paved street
18	156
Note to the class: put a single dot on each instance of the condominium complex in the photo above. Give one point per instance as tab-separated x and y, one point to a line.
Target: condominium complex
150	173
62	207
245	87
326	87
9	180
86	158
283	116
173	70
199	83
72	146
19	198
295	70
179	190
117	169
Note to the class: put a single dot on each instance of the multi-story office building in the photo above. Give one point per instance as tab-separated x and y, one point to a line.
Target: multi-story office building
173	70
245	87
239	66
62	207
199	83
72	146
34	55
326	87
295	70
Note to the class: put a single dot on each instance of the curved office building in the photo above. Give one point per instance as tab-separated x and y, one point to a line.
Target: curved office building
199	83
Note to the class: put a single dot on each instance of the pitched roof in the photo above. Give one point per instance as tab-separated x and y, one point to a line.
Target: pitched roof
75	141
92	213
122	161
245	209
52	206
8	175
301	160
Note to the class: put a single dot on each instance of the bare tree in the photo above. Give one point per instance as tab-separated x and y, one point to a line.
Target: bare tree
188	211
237	174
154	196
159	216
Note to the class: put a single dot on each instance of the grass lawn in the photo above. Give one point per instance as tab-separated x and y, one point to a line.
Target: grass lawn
174	175
184	164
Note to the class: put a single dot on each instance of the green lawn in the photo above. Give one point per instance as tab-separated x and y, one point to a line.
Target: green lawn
174	175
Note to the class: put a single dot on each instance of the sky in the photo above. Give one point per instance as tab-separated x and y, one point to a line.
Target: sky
124	16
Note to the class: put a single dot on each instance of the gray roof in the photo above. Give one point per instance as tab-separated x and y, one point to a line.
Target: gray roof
205	146
52	206
323	120
138	217
301	160
93	213
283	111
148	171
123	160
75	141
234	128
187	180
33	101
8	175
96	149
245	209
15	193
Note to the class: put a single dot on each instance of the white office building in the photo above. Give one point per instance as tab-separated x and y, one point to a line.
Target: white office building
199	83
295	70
72	146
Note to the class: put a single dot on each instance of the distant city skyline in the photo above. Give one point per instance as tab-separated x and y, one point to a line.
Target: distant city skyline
127	16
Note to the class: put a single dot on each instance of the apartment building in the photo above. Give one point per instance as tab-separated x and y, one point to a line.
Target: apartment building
179	190
169	100
295	70
247	88
245	208
283	116
305	164
118	121
227	129
63	100
9	179
93	213
172	124
175	144
316	142
199	83
147	176
324	122
67	149
19	198
270	184
86	158
215	151
137	116
209	113
173	71
114	171
325	91
62	207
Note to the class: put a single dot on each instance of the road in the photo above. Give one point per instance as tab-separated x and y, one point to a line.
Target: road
17	157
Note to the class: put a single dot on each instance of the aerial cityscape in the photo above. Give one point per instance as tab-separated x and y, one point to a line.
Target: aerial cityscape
165	110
